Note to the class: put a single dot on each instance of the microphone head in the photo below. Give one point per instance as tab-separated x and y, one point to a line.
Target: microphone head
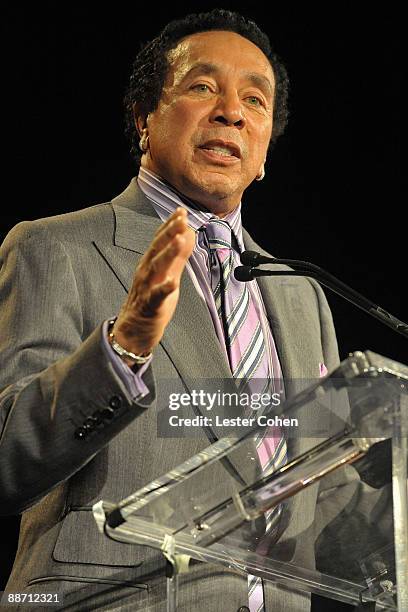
250	258
243	273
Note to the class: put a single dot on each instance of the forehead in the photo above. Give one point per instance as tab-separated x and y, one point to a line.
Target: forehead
226	50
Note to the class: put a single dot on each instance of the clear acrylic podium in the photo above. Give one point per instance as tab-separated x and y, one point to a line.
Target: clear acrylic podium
343	530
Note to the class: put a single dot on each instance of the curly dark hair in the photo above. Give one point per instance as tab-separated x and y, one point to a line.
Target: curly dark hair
150	68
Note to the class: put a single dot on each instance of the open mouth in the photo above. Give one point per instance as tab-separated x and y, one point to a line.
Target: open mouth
221	149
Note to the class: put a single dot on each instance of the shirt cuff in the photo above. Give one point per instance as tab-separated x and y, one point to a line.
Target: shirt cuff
132	380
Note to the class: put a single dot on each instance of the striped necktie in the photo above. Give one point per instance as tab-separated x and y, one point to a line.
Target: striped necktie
248	358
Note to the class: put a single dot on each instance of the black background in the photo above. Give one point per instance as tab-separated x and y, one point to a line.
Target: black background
331	192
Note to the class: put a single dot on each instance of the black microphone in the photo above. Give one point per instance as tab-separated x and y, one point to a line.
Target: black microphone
248	272
243	273
252	258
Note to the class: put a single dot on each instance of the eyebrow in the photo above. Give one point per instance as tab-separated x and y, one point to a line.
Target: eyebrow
258	80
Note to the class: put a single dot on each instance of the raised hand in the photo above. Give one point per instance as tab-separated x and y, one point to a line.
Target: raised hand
154	294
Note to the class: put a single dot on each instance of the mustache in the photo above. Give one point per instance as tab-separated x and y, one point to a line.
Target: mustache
220	133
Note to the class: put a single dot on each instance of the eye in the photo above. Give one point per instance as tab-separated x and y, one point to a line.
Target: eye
201	87
254	101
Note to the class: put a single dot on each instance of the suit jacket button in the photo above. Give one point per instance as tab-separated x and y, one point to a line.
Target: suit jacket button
115	402
90	422
97	417
81	433
107	413
243	609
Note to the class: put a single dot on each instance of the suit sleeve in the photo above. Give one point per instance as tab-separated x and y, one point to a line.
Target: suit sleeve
60	398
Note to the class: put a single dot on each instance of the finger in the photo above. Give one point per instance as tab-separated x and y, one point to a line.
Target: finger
179	213
178	225
159	265
175	225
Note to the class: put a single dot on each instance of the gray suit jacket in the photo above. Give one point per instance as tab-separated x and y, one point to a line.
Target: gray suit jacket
60	278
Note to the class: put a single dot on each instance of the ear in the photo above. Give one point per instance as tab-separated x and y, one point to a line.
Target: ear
139	119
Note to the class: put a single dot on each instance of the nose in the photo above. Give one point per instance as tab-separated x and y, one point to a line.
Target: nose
228	111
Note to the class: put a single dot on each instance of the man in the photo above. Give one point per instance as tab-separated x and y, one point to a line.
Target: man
78	407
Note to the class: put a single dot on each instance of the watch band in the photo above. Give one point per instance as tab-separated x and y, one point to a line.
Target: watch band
122	352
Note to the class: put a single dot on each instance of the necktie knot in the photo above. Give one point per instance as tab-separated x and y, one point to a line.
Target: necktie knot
218	234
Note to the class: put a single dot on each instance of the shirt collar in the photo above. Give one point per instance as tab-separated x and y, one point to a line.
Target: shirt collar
164	195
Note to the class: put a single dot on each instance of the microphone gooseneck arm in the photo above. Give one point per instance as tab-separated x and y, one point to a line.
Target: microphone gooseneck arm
248	272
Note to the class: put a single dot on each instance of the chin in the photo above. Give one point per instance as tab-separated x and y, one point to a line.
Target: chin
215	185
